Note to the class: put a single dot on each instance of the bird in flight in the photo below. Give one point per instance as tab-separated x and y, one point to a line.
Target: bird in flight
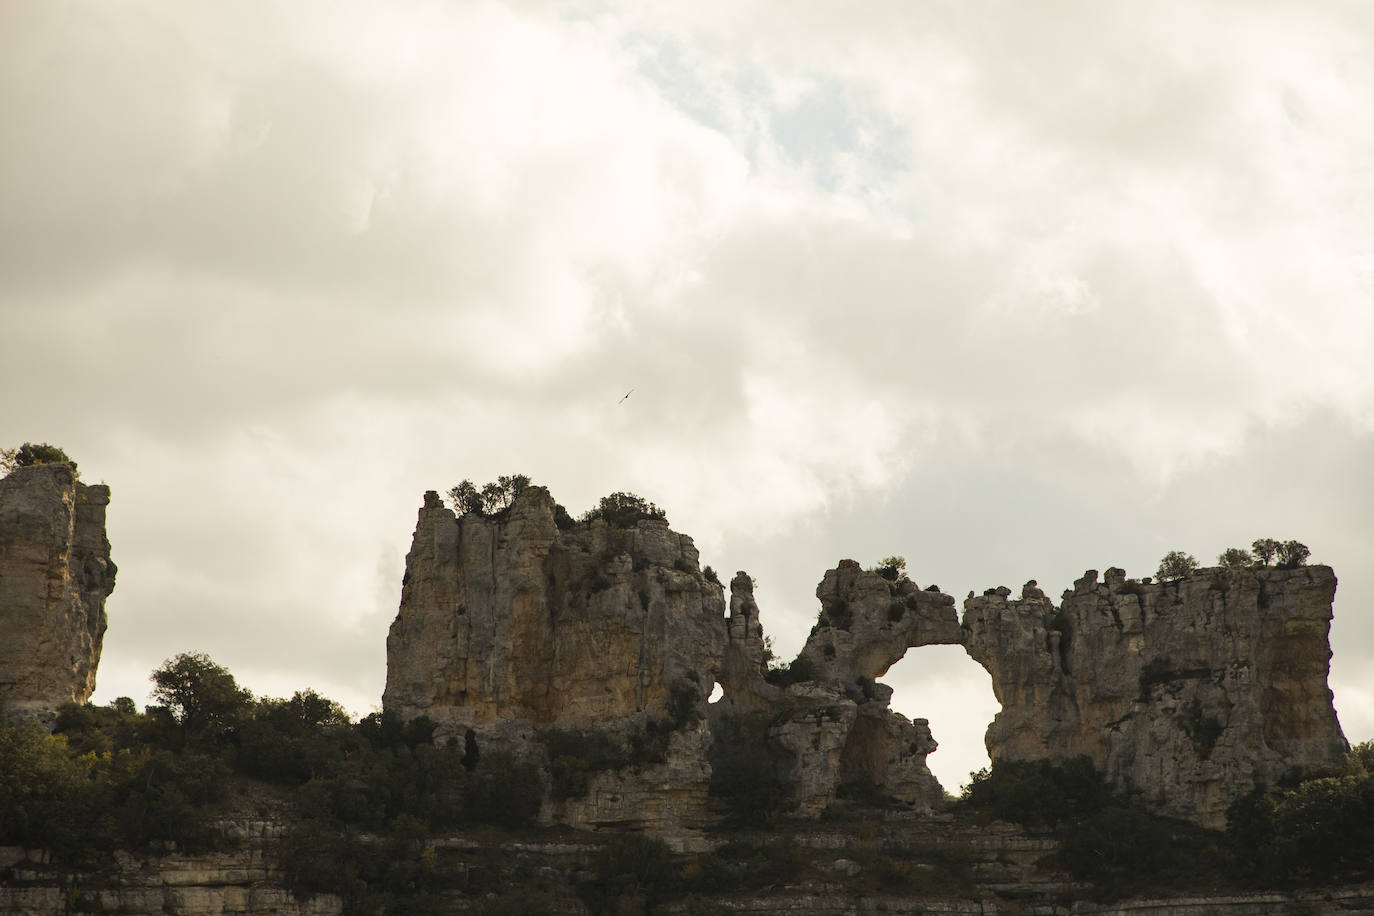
627	394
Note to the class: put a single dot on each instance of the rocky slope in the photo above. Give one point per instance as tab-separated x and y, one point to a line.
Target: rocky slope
55	574
1188	692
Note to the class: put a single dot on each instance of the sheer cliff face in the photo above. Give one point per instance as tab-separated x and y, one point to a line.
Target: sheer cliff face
1189	692
512	618
55	574
510	627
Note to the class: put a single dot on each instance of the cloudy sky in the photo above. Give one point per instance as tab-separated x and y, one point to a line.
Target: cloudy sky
1014	289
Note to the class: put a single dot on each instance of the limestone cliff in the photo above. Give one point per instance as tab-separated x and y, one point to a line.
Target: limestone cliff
55	574
827	716
1189	692
510	627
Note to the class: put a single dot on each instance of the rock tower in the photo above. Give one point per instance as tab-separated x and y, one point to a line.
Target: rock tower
1189	692
55	574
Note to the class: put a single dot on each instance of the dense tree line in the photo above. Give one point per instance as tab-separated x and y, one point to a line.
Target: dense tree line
1317	828
365	798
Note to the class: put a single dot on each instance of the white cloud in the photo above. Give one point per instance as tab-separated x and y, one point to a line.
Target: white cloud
330	255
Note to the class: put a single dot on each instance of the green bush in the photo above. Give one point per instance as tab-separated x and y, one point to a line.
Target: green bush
837	615
575	755
493	499
1318	831
1235	558
30	454
891	568
800	669
1035	793
1175	565
624	510
1292	554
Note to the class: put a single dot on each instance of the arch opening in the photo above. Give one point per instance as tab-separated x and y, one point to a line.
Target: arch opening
951	691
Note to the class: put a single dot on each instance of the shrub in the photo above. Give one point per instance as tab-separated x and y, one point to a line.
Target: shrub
892	568
30	454
1235	558
837	615
1265	550
624	510
492	499
800	669
1175	565
1320	831
711	575
575	755
1292	554
1035	793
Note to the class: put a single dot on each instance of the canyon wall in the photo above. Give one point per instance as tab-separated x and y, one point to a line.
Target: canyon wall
55	574
1189	692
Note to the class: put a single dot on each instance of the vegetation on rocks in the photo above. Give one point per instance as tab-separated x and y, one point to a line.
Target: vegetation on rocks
30	454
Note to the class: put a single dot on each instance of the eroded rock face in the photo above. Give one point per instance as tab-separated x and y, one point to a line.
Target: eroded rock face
1188	692
509	626
55	574
833	725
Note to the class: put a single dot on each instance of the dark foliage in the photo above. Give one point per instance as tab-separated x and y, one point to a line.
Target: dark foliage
1320	830
746	773
631	873
1035	793
800	669
624	510
31	453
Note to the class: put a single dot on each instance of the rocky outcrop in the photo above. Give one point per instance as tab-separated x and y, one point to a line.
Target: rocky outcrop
55	574
510	627
1188	692
827	716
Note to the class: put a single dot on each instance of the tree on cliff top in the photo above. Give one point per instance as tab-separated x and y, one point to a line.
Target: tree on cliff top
624	510
32	453
203	696
1293	554
1175	565
493	498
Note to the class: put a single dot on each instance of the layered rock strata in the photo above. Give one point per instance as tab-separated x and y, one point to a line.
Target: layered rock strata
828	716
510	627
55	574
1188	692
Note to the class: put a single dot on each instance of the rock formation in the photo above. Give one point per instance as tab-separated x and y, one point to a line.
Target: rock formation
826	714
1189	692
512	628
55	574
593	647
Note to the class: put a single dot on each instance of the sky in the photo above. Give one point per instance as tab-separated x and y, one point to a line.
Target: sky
1011	289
